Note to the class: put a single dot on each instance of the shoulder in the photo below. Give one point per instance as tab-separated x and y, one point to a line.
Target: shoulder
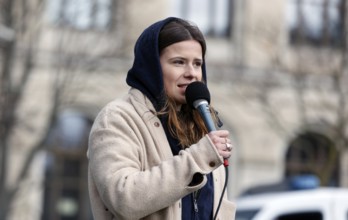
114	109
130	107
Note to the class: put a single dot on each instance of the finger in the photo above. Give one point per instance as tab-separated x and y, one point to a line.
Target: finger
226	154
223	140
220	133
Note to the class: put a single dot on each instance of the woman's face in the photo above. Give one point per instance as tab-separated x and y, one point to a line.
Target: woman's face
181	65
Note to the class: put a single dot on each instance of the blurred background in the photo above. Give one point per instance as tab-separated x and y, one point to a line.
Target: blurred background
277	73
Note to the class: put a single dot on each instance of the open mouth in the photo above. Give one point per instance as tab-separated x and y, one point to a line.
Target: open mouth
183	85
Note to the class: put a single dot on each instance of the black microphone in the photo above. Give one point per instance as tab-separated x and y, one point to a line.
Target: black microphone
198	97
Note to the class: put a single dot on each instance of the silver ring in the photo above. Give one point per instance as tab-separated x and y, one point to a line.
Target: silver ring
228	147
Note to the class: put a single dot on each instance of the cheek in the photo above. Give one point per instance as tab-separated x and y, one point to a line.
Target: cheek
168	77
167	82
200	77
166	86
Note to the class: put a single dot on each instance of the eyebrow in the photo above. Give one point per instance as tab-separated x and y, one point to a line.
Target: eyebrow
181	57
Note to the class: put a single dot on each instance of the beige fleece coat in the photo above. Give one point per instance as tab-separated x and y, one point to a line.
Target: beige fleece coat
132	171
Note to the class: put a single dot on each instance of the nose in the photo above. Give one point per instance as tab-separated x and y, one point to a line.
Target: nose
192	71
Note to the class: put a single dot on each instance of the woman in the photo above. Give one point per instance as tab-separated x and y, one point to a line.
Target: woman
150	155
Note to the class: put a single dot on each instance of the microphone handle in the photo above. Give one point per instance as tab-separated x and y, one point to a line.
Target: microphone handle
205	113
202	107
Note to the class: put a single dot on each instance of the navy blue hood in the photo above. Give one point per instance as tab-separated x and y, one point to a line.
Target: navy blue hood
146	72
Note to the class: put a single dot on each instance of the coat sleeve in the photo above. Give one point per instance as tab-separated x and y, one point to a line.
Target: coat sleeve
119	149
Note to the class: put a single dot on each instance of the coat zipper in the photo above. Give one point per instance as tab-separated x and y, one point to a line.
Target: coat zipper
195	199
195	205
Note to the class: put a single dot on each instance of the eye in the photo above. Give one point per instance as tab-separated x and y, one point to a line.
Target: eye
179	62
198	63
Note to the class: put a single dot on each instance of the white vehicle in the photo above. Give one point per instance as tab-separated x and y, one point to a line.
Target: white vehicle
309	204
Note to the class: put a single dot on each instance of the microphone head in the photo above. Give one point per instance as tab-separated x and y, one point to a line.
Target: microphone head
195	91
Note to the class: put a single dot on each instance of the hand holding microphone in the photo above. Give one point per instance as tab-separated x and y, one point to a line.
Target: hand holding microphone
221	142
198	97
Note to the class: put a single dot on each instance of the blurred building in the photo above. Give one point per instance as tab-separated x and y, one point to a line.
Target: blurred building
276	73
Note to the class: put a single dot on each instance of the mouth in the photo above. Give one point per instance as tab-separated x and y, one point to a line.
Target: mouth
183	86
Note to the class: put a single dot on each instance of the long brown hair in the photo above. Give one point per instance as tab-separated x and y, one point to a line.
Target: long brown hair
186	125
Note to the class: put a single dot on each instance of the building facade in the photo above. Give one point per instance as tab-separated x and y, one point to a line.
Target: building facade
276	76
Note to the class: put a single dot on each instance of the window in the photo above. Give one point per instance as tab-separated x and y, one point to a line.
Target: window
316	22
301	216
80	14
66	190
213	17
